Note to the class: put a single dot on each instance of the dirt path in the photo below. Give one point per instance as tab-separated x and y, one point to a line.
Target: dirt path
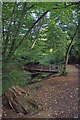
58	96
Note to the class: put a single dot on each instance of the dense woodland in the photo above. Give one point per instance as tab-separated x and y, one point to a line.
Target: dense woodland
38	33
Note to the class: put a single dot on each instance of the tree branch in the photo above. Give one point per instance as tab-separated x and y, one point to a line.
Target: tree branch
23	38
17	31
37	34
9	29
55	8
31	28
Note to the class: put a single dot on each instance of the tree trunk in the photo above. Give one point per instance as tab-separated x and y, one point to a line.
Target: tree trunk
68	51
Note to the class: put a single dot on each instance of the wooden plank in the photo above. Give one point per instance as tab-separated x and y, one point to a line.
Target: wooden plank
41	68
52	71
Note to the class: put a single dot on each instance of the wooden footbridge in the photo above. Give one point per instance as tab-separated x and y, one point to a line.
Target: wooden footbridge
38	68
43	70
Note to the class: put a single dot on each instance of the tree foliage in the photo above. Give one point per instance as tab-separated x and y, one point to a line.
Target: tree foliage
40	32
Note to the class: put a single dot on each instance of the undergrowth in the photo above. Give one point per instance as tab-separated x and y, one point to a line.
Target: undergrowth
13	75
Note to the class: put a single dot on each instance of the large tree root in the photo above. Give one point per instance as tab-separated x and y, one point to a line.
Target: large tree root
21	102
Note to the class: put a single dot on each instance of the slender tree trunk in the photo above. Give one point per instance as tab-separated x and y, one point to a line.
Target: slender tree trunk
68	51
67	58
8	56
9	29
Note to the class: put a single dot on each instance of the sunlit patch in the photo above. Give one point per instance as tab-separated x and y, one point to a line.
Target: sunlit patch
51	50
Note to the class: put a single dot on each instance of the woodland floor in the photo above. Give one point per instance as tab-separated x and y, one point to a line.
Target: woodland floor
58	96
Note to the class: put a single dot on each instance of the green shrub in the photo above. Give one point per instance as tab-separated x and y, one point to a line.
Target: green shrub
13	75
